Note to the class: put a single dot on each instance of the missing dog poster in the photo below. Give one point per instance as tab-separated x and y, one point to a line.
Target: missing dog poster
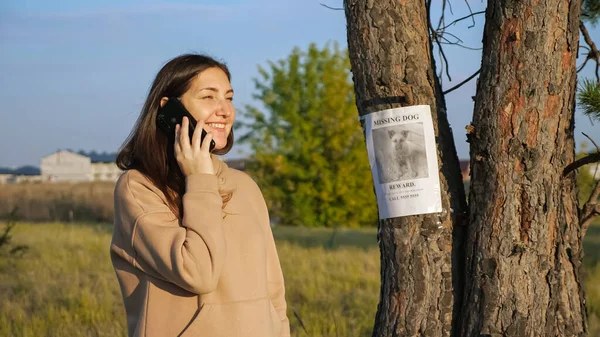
402	153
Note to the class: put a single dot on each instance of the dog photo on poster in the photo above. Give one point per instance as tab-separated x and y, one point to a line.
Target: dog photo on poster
403	158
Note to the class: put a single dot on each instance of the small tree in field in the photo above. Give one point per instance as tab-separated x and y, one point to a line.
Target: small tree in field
309	155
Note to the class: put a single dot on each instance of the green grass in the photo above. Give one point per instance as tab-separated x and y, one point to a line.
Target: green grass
64	284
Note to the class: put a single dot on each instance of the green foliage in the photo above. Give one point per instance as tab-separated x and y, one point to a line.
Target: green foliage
588	97
6	236
310	157
590	11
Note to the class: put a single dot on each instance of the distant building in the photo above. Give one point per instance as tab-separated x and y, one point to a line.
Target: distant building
5	178
19	175
66	165
22	178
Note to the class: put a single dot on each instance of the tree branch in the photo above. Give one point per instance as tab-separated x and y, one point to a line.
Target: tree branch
583	65
333	8
591	140
445	59
590	158
462	83
460	45
464	18
593	54
590	210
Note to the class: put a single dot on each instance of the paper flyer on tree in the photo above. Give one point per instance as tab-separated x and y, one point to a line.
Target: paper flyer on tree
402	153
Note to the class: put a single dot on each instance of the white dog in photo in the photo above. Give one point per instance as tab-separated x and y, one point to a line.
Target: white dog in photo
407	155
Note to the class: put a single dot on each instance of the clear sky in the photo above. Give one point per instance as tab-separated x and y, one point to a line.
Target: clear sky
75	73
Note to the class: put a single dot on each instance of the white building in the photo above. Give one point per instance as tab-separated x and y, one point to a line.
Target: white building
65	165
105	171
5	178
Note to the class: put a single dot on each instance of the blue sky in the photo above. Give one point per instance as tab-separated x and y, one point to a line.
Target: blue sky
75	73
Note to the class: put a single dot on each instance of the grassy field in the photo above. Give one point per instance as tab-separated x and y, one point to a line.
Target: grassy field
64	284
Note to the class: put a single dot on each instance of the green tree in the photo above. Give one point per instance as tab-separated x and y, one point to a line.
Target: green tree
588	95
590	11
309	152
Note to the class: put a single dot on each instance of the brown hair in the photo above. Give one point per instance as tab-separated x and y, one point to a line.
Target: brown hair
149	150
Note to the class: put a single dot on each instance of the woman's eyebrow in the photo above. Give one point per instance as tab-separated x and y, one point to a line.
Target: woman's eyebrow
216	90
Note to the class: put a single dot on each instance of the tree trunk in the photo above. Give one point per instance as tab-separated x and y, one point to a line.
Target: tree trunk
524	271
392	64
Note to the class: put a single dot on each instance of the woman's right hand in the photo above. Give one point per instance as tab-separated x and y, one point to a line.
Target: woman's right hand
193	157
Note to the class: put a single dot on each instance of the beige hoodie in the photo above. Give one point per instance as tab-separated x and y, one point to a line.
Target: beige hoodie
215	274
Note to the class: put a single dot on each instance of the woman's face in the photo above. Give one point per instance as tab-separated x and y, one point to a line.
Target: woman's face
210	99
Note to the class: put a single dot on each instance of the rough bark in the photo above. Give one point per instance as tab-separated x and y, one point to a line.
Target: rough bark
392	64
524	270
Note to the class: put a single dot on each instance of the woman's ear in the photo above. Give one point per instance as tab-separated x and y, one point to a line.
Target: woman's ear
163	101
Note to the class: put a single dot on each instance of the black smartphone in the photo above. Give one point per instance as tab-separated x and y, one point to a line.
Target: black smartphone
171	114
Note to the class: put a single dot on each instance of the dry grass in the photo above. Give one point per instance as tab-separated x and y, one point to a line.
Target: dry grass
65	202
65	286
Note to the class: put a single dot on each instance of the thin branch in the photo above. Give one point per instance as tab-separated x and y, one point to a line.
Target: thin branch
435	38
590	158
458	40
460	45
583	65
442	16
590	209
597	150
462	83
586	219
593	199
447	68
593	54
471	11
333	8
591	140
464	18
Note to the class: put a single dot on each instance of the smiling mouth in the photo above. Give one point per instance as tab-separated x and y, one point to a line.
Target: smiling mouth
217	126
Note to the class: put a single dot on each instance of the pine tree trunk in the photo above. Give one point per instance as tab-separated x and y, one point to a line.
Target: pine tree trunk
392	64
524	271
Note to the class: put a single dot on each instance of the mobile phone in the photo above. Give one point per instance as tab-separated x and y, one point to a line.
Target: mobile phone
171	114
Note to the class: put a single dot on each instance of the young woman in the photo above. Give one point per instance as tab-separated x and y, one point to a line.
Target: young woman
192	247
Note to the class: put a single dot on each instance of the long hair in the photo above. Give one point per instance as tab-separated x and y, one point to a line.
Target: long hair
149	150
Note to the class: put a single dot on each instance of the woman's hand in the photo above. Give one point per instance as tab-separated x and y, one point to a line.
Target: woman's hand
193	157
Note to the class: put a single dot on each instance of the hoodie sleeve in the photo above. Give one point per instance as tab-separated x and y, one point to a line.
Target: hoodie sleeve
189	254
276	283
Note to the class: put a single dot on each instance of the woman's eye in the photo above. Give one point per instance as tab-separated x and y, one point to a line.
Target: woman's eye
208	97
230	99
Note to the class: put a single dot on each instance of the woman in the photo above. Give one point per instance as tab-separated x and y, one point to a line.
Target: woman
192	247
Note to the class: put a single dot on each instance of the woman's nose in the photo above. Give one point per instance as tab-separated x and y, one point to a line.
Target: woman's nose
225	108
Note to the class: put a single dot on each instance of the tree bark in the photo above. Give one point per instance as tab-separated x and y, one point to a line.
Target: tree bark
524	270
392	64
